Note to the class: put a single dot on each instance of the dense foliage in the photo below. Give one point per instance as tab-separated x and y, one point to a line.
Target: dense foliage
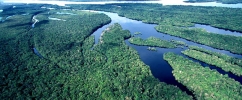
229	59
152	41
225	42
124	71
173	20
206	83
221	17
214	60
156	42
223	61
69	68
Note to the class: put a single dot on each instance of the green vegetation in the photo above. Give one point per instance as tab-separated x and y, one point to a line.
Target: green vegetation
225	42
60	40
214	60
152	41
156	42
226	58
170	19
69	68
222	1
206	83
221	17
124	71
179	43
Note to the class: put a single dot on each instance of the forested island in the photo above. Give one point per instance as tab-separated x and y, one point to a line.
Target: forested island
220	60
206	83
152	41
156	42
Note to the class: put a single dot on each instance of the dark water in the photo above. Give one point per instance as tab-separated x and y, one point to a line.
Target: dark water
158	66
37	52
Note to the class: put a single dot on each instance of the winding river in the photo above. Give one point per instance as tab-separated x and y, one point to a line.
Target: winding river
158	66
34	21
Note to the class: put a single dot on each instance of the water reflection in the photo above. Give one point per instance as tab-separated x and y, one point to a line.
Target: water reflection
158	66
217	30
148	30
122	20
115	19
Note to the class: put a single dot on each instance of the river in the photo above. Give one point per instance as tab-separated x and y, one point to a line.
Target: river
158	66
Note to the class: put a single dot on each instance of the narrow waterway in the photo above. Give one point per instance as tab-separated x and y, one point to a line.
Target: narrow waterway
158	66
209	28
34	21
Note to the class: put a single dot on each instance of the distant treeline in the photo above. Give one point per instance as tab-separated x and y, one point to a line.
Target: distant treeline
101	0
72	67
222	1
173	20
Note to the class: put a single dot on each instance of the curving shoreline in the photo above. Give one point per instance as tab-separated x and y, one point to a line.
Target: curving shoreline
34	20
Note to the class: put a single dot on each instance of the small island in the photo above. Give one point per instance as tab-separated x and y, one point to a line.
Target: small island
225	62
152	48
137	33
156	42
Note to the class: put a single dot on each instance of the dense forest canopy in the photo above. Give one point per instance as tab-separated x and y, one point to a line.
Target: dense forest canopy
50	53
172	19
206	84
70	66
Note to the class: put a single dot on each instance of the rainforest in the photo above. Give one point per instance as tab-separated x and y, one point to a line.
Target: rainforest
120	51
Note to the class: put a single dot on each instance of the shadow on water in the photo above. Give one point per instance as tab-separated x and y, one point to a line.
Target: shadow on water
221	71
158	66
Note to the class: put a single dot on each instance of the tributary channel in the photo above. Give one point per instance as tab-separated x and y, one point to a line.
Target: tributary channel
154	59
